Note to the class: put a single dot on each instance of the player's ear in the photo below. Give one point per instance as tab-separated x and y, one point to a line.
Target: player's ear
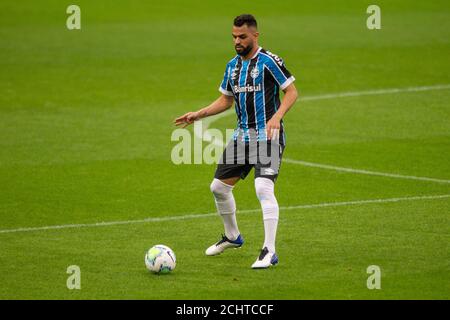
256	34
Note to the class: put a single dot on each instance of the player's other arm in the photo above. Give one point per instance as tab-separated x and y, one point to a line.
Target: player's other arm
286	82
289	98
223	103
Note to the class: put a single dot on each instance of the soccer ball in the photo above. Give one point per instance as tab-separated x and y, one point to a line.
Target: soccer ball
160	259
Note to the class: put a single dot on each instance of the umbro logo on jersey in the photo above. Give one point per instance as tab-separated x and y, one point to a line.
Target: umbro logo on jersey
234	74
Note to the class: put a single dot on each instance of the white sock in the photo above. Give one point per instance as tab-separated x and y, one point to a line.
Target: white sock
226	207
265	191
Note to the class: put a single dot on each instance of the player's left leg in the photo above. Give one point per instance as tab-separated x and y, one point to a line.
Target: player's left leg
265	177
265	191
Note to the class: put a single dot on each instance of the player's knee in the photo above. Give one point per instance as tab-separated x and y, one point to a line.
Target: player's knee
265	191
264	188
220	189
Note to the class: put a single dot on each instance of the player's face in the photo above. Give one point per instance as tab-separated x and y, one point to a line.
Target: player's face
245	39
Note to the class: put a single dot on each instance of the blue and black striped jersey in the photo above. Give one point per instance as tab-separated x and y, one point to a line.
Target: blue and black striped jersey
255	85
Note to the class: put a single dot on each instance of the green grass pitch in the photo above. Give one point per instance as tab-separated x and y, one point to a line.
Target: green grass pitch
86	119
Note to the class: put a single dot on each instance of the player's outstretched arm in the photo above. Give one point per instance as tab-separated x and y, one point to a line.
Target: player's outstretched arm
220	105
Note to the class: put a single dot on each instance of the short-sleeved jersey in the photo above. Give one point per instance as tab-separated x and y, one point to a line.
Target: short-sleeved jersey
255	85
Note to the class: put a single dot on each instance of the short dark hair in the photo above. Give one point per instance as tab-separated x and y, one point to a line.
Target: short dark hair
247	19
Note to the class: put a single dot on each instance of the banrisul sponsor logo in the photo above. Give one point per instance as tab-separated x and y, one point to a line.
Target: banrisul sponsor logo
247	88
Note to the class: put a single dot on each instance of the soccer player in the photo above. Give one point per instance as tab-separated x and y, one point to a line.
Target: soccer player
253	80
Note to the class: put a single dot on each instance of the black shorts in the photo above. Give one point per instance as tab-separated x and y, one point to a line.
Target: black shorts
239	158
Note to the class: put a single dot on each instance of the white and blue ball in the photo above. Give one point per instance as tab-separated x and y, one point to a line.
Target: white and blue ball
160	259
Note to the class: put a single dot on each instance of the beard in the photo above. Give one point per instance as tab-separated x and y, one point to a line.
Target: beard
243	51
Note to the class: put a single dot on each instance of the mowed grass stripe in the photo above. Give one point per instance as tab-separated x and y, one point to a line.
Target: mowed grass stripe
211	214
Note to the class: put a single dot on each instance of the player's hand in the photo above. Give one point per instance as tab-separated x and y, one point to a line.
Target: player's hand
273	128
186	119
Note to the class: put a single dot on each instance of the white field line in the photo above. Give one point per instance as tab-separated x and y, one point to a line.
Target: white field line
374	92
206	215
373	173
207	137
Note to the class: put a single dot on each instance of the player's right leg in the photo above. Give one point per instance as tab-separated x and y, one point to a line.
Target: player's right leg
228	173
226	207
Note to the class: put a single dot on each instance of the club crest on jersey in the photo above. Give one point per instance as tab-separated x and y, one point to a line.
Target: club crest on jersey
254	73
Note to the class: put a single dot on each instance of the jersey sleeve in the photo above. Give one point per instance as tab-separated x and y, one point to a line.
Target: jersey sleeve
225	86
279	71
